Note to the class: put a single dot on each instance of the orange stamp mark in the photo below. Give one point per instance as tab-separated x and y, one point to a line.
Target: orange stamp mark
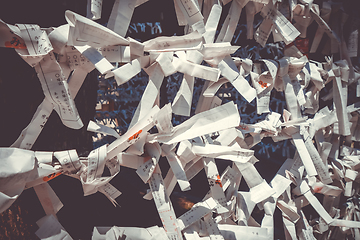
135	136
318	189
51	176
218	181
262	84
15	43
243	127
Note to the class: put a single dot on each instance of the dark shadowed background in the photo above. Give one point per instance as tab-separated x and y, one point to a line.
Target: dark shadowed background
20	95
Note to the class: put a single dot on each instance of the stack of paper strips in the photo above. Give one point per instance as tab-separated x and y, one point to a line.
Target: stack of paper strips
325	162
